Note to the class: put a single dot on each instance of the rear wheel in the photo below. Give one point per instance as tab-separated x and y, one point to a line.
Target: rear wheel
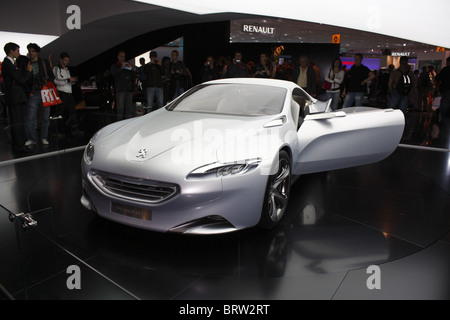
277	193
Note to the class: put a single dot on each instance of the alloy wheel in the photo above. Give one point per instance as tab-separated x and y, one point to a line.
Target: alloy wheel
279	191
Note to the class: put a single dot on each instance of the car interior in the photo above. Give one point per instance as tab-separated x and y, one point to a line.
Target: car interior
300	107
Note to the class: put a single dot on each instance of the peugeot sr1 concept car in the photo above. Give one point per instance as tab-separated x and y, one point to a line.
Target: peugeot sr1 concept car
222	157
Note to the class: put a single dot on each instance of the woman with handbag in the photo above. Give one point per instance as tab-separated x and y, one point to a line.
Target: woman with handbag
333	81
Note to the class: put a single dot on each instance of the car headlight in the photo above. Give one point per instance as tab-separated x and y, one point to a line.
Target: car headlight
224	169
89	153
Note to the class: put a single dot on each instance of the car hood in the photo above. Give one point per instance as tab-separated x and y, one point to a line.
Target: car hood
189	138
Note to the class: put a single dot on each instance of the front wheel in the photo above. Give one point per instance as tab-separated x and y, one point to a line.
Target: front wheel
277	193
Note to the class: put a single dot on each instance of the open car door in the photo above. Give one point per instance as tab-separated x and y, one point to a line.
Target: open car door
347	138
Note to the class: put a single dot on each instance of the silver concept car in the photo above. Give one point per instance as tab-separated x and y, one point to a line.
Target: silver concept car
222	156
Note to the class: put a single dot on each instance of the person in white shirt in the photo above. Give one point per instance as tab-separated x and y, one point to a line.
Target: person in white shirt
64	82
334	78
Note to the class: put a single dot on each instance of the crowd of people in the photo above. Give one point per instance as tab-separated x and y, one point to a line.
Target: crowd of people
346	87
398	88
23	79
161	81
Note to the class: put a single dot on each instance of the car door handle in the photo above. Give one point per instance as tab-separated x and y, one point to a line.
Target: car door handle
325	116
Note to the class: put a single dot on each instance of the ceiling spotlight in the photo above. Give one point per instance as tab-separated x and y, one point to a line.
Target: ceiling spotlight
404	44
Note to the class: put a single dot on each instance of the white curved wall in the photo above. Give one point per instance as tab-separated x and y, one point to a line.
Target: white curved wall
416	20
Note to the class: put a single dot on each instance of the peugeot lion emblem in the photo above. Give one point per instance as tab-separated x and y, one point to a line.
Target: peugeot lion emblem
142	154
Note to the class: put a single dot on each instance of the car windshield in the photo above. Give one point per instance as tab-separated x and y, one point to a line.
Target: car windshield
232	99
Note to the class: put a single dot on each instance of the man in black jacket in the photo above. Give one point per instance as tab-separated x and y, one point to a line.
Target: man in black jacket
356	81
2	95
305	76
237	69
124	77
41	74
154	75
209	71
14	82
178	75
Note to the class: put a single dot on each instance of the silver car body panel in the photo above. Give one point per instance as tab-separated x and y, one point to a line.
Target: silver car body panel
169	148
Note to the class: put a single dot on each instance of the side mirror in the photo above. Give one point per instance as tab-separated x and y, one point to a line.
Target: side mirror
276	123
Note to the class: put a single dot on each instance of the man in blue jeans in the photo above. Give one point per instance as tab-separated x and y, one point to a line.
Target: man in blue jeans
154	74
400	86
41	74
355	84
123	74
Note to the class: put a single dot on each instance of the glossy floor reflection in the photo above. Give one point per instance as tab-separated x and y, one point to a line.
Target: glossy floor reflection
427	129
395	214
90	121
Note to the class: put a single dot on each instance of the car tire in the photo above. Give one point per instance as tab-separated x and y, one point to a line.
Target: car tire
277	193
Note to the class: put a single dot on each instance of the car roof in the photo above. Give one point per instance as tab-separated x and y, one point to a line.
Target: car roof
259	81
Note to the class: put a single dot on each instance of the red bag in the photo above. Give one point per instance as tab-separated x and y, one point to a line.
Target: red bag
326	84
49	95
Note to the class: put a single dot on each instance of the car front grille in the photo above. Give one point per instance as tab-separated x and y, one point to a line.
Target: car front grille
130	188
